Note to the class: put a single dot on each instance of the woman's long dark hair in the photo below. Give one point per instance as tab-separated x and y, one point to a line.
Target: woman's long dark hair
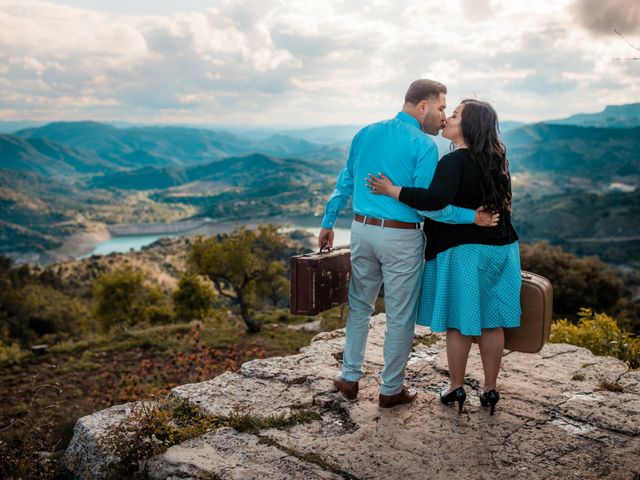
479	126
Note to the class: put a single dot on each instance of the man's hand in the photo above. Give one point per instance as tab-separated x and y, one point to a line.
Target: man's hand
484	218
325	238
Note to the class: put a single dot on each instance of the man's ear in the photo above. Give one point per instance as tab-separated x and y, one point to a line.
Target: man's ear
423	106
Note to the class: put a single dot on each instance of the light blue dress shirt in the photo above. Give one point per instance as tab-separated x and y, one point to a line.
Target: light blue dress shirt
400	150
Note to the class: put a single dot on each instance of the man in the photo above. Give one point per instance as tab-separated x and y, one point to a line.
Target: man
387	243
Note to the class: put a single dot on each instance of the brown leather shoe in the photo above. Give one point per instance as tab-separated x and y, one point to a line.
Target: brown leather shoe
348	389
405	396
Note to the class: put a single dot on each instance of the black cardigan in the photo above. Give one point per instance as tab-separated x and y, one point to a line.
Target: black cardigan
457	181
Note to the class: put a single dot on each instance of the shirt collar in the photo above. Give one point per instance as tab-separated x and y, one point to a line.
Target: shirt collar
405	117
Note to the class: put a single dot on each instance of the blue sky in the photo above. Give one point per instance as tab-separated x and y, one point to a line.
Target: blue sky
303	63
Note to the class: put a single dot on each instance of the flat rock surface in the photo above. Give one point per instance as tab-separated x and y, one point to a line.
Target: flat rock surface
558	417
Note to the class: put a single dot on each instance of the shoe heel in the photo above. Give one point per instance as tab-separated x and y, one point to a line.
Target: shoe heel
490	398
458	395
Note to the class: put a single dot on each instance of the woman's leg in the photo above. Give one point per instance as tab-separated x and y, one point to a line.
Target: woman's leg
491	344
458	347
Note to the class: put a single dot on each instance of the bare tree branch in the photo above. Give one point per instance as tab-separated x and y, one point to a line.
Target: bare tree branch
618	59
622	37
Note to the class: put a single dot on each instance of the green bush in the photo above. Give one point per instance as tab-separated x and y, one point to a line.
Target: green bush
124	299
193	298
158	314
577	282
11	354
599	333
30	310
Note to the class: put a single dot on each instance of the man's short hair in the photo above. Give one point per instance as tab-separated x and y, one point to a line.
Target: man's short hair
424	89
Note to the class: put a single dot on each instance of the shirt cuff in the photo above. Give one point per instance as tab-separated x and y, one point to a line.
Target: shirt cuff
327	222
468	216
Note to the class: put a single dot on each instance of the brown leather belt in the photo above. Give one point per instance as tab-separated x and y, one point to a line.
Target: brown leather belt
386	223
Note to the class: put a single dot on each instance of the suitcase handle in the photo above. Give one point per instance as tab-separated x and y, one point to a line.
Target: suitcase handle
526	276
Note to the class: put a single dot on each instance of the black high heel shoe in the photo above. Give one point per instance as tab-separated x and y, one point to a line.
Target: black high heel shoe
457	395
490	398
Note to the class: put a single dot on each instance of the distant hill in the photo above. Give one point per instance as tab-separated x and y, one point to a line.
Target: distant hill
585	224
597	153
167	146
509	125
8	126
48	157
36	211
244	171
333	134
616	116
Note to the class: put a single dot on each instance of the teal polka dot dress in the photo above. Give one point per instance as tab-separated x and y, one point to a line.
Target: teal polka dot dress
470	287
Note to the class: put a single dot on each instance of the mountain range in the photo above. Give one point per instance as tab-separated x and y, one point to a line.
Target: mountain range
52	175
617	116
166	146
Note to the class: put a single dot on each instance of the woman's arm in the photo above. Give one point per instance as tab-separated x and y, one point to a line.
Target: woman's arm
440	193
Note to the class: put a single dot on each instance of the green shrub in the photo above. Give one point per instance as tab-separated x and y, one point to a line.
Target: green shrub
193	298
124	299
158	314
599	333
11	354
577	282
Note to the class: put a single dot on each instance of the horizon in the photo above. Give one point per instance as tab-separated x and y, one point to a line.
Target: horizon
127	124
250	63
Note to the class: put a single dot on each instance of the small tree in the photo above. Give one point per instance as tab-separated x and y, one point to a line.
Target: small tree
193	298
123	299
239	264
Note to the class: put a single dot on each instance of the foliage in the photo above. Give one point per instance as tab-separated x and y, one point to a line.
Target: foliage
193	298
191	361
150	430
124	299
246	422
240	265
599	333
153	427
11	354
33	304
577	282
609	385
275	287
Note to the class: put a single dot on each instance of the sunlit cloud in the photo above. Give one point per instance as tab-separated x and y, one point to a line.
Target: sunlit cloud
294	63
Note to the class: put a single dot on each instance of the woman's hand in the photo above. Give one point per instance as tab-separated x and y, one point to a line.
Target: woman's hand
381	185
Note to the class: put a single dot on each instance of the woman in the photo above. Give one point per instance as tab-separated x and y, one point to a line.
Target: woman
471	283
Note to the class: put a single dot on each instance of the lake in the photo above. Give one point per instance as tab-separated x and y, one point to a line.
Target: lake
126	243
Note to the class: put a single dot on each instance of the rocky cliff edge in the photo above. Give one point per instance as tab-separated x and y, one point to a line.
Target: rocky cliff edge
559	417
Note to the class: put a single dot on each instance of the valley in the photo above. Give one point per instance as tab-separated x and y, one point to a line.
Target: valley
66	187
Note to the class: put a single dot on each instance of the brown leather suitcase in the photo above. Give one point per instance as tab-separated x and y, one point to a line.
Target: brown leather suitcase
536	301
320	281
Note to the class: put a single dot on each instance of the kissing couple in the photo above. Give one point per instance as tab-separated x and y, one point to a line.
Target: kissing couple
466	281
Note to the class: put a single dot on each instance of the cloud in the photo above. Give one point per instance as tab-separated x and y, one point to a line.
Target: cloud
605	16
294	63
478	9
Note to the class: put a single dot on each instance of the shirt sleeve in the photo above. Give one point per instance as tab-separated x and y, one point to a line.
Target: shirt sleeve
434	202
342	192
